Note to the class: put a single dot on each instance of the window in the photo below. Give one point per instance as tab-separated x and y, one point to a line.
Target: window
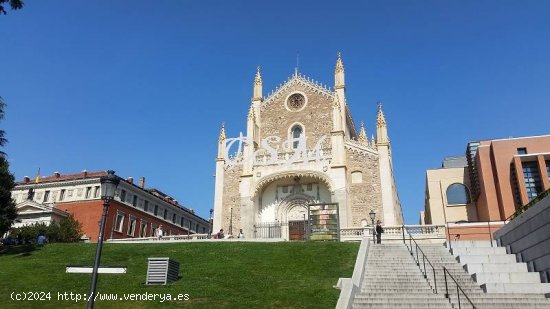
548	169
62	194
46	196
174	218
296	133
119	222
203	230
309	186
134	201
146	206
532	179
457	194
356	177
122	196
197	228
143	229
132	226
70	193
522	151
96	191
156	212
165	215
182	221
88	192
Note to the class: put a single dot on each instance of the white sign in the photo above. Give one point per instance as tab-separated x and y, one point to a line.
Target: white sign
268	153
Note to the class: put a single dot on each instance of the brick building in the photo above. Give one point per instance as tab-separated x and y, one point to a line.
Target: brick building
135	211
498	177
301	147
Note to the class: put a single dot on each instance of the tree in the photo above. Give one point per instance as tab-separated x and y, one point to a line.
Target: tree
15	5
3	139
8	212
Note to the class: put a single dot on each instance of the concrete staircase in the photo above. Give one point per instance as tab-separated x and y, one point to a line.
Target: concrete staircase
439	257
495	270
392	280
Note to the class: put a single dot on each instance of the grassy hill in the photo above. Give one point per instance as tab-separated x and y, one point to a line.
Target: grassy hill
213	275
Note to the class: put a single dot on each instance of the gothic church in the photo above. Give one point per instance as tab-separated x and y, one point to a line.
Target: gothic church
302	147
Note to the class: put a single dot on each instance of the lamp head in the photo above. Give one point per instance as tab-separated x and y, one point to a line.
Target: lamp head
109	184
372	214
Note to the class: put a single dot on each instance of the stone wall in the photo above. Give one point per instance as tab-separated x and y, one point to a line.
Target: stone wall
231	199
316	116
366	195
528	236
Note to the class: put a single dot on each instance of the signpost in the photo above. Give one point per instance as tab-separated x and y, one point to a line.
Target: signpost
323	222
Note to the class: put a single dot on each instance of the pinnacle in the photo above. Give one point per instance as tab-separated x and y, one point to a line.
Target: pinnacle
222	133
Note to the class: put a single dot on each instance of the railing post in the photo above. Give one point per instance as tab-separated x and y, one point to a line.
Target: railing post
403	231
410	244
446	285
424	262
490	235
435	280
417	260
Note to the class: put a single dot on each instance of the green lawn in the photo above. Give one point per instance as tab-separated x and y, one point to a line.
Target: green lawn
214	275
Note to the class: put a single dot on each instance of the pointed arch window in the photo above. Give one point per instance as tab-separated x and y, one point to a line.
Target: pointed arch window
296	133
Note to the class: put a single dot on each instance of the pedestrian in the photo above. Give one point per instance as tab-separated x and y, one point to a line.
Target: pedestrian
379	231
41	240
160	232
220	235
241	235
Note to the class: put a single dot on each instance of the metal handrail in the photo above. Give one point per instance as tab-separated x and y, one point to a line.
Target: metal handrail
417	260
445	271
458	290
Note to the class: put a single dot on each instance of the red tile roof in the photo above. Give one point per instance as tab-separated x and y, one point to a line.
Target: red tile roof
54	178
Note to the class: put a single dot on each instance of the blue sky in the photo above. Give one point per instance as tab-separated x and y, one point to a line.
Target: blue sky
141	87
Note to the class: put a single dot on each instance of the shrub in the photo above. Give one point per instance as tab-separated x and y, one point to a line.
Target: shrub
67	230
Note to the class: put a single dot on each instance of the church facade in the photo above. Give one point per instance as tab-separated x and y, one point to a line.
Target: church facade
302	147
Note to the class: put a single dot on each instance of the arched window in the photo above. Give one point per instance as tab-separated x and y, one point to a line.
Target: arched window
457	193
296	133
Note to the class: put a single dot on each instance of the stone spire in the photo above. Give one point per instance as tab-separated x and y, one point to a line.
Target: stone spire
221	143
381	126
373	141
339	80
222	133
257	86
363	139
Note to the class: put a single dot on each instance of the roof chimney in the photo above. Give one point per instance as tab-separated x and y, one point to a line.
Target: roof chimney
130	180
57	175
142	182
26	179
85	173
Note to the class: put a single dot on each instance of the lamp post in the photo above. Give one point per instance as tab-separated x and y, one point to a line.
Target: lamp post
372	215
109	184
211	223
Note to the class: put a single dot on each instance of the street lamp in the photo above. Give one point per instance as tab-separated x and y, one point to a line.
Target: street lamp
109	184
372	215
211	223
